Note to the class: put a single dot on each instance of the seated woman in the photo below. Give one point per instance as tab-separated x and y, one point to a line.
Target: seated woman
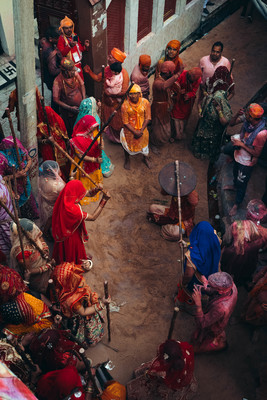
50	185
210	326
240	253
61	384
89	107
201	260
168	217
168	376
83	134
52	349
24	314
5	241
68	222
256	307
37	269
8	159
78	302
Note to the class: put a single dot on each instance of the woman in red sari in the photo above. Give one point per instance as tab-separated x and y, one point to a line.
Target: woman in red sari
59	133
168	376
68	222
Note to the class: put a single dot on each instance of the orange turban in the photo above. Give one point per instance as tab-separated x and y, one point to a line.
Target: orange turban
167	66
145	60
175	44
118	54
255	110
195	74
64	23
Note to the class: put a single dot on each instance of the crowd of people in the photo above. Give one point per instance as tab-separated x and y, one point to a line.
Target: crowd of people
47	310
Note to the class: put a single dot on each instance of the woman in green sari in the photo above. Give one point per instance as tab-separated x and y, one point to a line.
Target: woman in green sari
89	107
215	114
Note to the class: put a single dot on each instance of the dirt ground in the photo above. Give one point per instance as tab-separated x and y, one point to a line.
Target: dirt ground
142	268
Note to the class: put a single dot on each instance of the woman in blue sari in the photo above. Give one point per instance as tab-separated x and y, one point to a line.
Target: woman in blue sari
201	260
8	159
89	107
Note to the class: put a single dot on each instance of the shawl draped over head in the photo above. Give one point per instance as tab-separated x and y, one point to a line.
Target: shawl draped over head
205	249
82	137
8	158
118	55
88	107
67	213
145	60
50	169
65	23
71	287
167	67
221	80
57	385
135	89
174	364
195	73
11	284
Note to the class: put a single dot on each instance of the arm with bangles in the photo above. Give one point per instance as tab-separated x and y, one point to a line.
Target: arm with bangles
88	158
101	205
87	311
24	171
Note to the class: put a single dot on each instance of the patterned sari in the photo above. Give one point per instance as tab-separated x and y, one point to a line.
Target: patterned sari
5	242
73	293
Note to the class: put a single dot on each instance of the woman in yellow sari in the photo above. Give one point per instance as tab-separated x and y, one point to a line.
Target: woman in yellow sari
25	314
83	134
136	114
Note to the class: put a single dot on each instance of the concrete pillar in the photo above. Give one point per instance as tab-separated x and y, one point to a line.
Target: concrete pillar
131	25
25	61
7	27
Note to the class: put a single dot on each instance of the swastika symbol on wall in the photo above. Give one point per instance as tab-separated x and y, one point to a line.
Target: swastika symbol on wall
9	71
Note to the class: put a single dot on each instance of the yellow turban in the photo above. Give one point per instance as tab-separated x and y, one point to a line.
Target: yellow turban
135	89
65	23
118	54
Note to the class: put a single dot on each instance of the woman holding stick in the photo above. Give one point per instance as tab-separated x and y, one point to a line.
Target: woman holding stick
83	134
8	159
79	302
68	222
38	270
50	185
89	107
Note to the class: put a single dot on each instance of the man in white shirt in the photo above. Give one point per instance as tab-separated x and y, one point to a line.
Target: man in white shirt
208	64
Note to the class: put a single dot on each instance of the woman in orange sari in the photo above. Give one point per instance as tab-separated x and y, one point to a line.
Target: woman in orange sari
78	302
68	222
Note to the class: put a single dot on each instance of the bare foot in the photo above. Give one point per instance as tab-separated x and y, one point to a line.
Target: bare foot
155	150
229	187
147	162
233	210
127	164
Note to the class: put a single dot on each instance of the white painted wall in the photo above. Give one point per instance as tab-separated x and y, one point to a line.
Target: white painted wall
7	27
179	26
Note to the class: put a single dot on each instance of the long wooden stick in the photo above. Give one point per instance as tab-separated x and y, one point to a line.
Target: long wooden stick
62	150
18	225
107	308
174	315
16	148
42	70
91	377
16	189
105	125
177	171
25	233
